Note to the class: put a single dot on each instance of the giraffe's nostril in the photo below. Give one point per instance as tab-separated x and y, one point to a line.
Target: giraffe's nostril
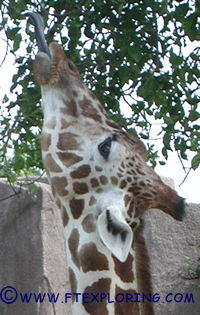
180	209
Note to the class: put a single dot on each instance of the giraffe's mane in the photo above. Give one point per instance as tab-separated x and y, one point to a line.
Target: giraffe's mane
143	269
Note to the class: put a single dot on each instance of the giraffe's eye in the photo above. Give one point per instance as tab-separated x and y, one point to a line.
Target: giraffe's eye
104	147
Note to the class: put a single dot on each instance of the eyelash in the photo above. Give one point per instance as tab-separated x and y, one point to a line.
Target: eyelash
104	147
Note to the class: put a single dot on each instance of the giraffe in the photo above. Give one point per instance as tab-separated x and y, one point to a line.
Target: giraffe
102	185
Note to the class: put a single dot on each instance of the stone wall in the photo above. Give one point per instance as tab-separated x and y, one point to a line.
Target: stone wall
32	254
32	251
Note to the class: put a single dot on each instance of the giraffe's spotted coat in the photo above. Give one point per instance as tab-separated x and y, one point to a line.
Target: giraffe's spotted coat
45	141
67	141
70	108
88	223
51	124
91	259
102	285
124	305
51	164
80	188
73	243
92	201
77	207
114	180
81	172
73	281
103	180
68	159
127	276
65	217
59	184
94	182
88	110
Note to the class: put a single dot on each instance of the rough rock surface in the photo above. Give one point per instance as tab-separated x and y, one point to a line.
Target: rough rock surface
32	254
174	253
32	251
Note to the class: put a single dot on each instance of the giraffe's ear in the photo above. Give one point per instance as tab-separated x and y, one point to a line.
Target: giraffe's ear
115	233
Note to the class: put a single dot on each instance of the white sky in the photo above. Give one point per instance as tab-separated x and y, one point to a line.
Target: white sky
190	189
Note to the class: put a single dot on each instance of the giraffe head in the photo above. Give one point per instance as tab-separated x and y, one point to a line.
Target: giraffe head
101	161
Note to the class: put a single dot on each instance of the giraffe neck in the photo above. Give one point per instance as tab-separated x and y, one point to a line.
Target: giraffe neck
95	271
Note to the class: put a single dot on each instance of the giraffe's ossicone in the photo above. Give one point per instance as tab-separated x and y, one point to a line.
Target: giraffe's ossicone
101	182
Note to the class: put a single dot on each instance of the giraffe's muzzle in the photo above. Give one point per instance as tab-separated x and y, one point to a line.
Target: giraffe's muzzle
179	207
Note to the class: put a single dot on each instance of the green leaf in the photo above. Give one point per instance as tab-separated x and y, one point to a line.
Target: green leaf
167	140
124	74
17	41
196	161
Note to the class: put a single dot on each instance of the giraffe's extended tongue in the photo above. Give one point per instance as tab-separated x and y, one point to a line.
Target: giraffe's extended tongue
39	32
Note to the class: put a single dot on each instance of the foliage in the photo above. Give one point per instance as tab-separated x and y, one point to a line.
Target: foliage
128	52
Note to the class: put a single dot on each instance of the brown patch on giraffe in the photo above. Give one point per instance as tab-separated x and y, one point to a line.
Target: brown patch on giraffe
92	201
51	123
122	165
147	196
114	180
81	172
70	109
91	259
112	124
93	96
139	170
59	184
45	141
129	179
127	199
58	202
98	169
73	243
143	272
133	172
135	189
73	283
88	110
68	158
131	209
124	270
76	207
119	175
88	224
94	182
103	180
124	304
98	287
51	165
64	124
123	184
75	93
65	217
80	188
67	141
99	190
